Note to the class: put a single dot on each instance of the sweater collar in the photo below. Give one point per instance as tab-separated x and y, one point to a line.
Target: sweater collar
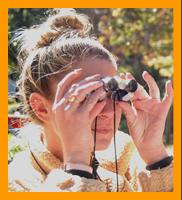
48	161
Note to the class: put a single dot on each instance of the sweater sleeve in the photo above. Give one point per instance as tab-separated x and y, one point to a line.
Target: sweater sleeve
60	181
23	177
142	180
57	181
160	180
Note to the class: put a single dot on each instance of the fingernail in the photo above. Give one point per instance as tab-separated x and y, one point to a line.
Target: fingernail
92	77
144	73
128	74
78	70
122	75
96	75
169	82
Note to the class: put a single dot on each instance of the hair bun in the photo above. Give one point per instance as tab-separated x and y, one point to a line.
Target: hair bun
68	18
64	22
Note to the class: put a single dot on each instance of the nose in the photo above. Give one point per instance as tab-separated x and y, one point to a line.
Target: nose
108	111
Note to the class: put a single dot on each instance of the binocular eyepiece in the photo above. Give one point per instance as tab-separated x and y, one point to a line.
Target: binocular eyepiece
119	89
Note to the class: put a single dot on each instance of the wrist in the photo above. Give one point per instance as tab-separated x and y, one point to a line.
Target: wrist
154	155
160	164
77	157
78	166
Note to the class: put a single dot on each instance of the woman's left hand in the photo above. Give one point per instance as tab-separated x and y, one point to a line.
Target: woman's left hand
146	118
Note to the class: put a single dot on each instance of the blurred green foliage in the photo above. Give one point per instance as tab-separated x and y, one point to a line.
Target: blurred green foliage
15	145
140	39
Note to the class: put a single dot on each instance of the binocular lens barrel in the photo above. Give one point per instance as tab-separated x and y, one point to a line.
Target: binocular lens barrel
132	86
119	88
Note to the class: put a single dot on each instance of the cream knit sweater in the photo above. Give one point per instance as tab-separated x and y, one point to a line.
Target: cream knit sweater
25	175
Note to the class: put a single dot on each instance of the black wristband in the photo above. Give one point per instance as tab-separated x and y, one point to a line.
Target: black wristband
80	173
160	164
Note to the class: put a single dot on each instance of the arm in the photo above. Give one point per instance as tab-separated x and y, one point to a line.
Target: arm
142	180
27	177
146	121
159	180
60	181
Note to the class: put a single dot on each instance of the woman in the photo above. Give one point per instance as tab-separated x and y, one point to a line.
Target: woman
62	68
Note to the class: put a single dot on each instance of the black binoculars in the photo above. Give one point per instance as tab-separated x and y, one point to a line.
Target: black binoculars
119	89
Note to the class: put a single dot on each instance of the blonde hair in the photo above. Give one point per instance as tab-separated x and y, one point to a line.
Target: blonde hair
53	47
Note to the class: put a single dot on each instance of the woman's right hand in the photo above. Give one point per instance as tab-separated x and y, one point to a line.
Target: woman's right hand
73	119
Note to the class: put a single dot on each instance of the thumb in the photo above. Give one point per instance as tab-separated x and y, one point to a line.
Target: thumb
168	98
128	111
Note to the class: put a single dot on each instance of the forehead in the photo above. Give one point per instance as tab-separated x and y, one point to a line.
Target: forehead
90	67
97	66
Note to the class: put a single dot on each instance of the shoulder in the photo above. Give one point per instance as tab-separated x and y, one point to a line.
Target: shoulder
21	174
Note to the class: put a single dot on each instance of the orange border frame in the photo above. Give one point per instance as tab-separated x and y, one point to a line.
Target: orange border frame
176	5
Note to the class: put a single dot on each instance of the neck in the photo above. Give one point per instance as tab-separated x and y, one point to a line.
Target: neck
53	143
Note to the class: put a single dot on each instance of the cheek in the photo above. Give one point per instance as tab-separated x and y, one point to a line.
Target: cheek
50	112
118	114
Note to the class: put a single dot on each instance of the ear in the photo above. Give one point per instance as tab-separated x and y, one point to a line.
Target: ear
40	106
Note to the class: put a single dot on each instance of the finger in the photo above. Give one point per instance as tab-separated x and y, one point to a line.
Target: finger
84	81
97	109
140	93
145	105
93	99
168	98
128	111
91	78
65	82
122	75
82	91
153	87
79	95
129	76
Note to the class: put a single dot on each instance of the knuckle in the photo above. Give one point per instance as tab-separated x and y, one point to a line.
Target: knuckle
90	100
60	84
79	90
75	85
69	76
87	79
58	105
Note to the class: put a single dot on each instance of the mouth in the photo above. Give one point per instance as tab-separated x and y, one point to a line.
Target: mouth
102	131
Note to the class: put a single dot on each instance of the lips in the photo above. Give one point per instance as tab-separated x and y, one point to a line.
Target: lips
103	131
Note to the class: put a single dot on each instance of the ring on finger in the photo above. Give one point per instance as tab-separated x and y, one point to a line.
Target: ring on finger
73	98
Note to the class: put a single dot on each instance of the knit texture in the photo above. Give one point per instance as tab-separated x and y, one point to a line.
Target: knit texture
43	172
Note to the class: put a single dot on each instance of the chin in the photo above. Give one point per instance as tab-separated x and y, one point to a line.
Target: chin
103	140
102	146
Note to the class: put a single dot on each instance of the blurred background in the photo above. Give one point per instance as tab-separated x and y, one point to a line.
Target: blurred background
140	39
